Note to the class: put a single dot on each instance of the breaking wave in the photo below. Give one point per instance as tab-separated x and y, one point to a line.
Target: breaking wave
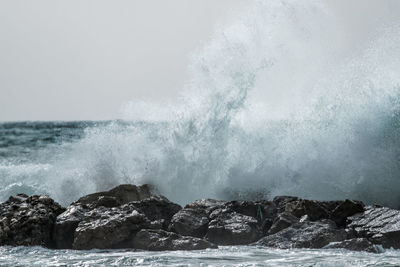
293	98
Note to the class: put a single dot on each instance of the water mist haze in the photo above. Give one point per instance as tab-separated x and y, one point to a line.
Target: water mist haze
293	98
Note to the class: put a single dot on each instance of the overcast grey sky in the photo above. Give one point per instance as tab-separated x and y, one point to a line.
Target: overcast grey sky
78	60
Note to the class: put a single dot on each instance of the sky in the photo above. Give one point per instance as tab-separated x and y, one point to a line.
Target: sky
84	60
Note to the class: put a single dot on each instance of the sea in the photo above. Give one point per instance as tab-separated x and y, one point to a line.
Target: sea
292	98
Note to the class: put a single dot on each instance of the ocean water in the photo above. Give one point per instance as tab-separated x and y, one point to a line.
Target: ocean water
293	98
224	256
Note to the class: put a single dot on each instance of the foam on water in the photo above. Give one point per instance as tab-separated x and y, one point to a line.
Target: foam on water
294	98
224	256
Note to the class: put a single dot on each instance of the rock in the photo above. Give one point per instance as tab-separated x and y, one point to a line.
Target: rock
158	240
248	208
282	221
66	223
313	209
109	228
355	244
330	206
208	205
117	196
157	208
305	235
28	221
131	216
231	228
281	201
345	209
194	219
380	225
190	222
259	210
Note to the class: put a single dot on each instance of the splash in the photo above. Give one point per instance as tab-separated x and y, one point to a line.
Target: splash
292	99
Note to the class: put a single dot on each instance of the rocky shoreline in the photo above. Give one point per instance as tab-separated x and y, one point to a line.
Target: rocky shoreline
135	217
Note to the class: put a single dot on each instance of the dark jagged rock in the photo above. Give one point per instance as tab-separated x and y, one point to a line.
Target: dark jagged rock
82	216
313	209
355	244
346	209
131	216
259	210
234	222
305	234
281	201
109	228
380	225
65	225
28	221
282	221
193	219
208	205
330	206
248	208
67	222
117	196
157	208
190	222
231	228
158	240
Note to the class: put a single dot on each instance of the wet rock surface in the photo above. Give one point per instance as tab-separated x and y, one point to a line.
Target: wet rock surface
282	221
103	228
86	224
190	222
117	196
28	221
354	244
130	216
380	225
231	228
346	209
305	235
313	209
157	209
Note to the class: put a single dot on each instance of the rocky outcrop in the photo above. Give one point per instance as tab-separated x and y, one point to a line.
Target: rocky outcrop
84	208
130	216
305	234
157	209
346	209
380	225
282	221
158	240
190	222
208	205
117	196
354	244
225	223
65	225
313	209
231	228
87	223
28	221
109	228
281	201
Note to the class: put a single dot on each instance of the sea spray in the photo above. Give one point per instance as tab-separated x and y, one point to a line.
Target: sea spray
292	99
